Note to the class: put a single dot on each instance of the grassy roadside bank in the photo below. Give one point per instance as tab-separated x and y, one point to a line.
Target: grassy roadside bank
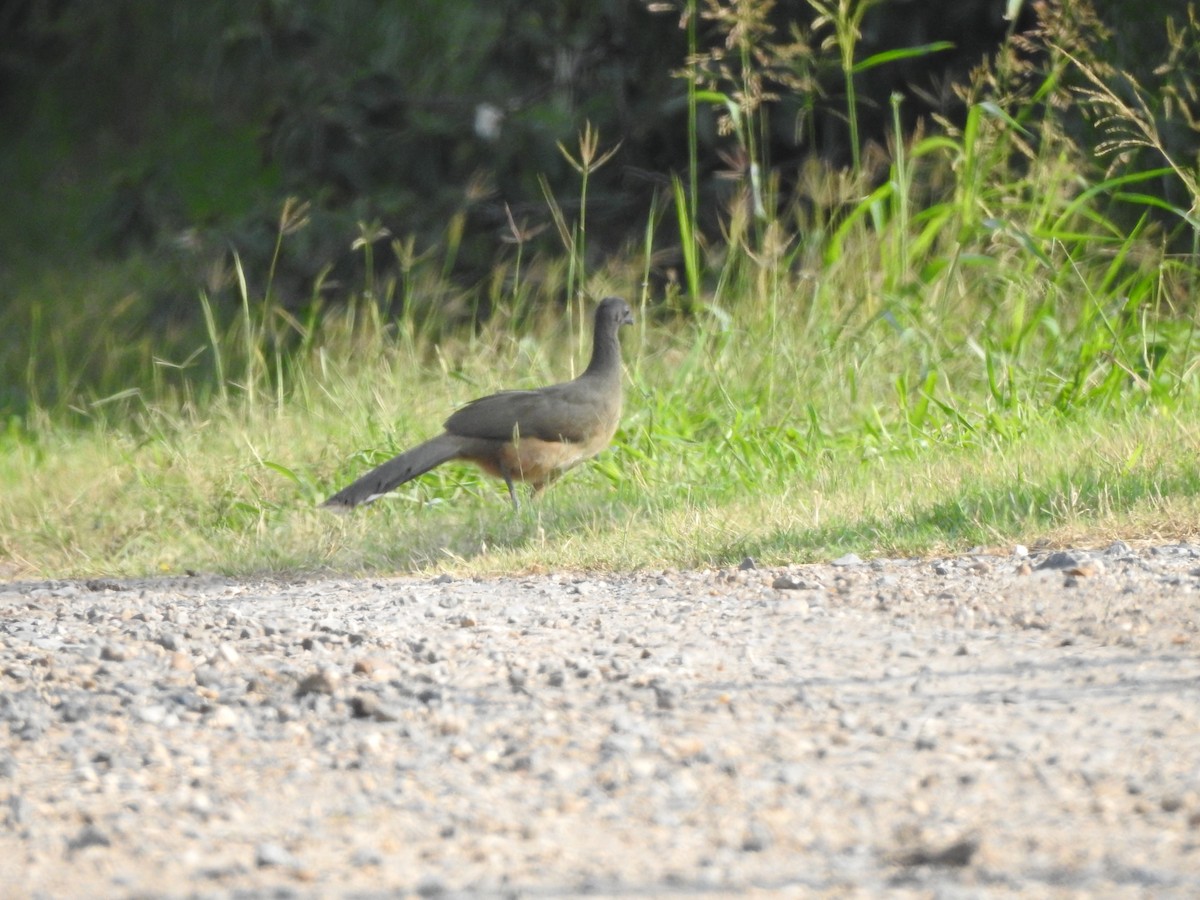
703	472
977	336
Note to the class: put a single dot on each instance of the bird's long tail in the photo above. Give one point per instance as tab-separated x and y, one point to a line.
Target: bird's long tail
396	471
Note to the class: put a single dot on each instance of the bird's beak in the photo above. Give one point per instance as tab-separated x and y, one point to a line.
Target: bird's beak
628	320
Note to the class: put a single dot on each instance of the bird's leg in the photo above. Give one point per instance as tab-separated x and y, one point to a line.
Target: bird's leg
512	493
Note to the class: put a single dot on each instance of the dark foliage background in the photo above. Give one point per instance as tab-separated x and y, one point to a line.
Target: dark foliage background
175	130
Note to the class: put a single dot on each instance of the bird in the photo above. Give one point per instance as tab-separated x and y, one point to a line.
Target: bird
530	436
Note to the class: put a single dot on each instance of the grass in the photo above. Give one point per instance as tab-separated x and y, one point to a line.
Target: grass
827	440
985	342
239	498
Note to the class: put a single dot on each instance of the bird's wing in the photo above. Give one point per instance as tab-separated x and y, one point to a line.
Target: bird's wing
562	412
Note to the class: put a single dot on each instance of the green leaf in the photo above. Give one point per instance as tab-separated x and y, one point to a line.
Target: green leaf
888	56
282	470
994	110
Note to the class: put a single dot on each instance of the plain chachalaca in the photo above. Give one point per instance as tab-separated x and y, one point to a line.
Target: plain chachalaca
530	436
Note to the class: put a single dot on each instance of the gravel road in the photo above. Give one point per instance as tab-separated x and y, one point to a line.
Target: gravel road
996	724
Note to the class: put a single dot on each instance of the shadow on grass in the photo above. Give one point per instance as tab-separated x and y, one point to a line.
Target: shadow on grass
584	524
980	516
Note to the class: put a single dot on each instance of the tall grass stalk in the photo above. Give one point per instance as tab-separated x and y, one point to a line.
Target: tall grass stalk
691	242
844	18
588	160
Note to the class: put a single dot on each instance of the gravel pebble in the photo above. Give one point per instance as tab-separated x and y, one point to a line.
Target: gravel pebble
268	854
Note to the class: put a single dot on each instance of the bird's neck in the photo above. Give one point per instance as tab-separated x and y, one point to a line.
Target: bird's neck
606	356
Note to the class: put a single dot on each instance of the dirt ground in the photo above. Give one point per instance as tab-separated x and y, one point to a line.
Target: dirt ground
997	724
